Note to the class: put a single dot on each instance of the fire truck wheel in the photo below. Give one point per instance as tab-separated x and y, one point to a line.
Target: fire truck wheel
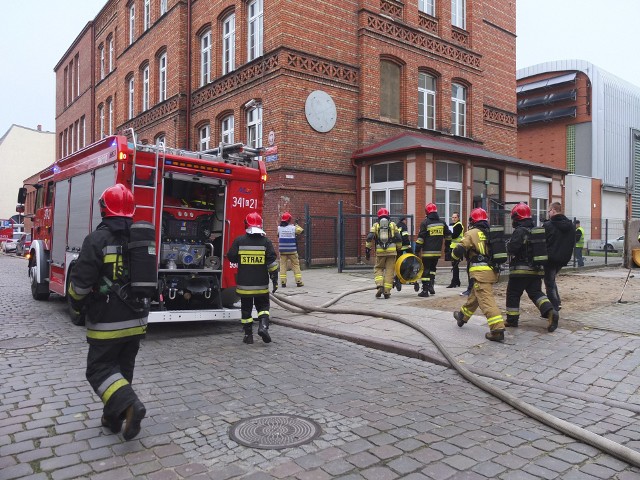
39	291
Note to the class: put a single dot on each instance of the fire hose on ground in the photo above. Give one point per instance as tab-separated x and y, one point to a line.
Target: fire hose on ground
603	444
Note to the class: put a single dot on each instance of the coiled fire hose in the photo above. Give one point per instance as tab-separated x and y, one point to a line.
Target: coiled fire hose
603	444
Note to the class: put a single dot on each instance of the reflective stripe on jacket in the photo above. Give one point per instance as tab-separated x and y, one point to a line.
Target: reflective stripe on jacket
287	238
256	258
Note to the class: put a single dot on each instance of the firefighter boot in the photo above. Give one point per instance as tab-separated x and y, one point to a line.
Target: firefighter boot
432	282
416	286
459	316
425	290
379	292
248	333
553	316
115	425
512	321
134	415
263	329
396	283
495	335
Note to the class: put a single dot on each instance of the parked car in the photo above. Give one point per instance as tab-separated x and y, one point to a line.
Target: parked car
11	244
616	245
22	248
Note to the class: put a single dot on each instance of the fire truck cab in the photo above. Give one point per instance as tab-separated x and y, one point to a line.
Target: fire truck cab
196	200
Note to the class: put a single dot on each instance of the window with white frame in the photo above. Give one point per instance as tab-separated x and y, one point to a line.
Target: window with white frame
111	53
71	138
205	58
72	79
229	44
458	110
83	127
110	107
132	23
254	126
427	6
387	187
162	78
101	121
101	49
131	111
147	15
160	140
145	89
227	129
205	137
163	7
448	188
459	13
78	75
426	101
539	198
255	25
77	130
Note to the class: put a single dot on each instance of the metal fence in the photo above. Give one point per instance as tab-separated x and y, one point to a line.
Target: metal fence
339	240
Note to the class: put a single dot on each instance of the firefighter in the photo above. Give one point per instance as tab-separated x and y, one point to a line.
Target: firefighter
115	324
257	262
457	232
288	248
523	274
577	250
386	237
474	246
433	232
405	248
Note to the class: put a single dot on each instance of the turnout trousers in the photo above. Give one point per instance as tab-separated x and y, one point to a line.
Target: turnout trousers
533	286
110	373
481	295
294	260
384	271
247	302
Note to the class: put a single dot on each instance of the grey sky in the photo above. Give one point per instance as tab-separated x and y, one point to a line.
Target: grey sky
36	33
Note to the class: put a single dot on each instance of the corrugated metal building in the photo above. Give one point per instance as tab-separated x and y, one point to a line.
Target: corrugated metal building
574	115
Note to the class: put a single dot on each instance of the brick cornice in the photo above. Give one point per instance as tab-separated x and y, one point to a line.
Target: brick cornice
501	117
159	112
279	61
403	34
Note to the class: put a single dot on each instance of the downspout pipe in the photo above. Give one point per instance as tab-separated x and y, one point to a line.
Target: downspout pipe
188	114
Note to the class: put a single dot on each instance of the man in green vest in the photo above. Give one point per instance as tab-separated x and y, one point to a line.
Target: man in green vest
457	232
577	252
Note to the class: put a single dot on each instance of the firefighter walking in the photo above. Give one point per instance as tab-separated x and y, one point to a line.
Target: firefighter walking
386	237
288	248
257	262
115	324
474	246
433	232
524	273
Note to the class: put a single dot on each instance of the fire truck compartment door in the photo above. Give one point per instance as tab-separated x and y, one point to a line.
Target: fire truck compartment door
59	241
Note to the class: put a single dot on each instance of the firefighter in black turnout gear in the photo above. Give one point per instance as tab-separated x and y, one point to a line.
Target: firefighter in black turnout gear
525	272
433	233
116	319
257	262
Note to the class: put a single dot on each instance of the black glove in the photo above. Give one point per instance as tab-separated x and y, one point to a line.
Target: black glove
274	280
367	253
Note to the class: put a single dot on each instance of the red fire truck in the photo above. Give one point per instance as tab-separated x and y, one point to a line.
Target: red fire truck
197	200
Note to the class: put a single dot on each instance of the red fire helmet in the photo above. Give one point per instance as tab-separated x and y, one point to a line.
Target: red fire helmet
383	212
478	214
286	217
253	220
520	212
430	208
117	201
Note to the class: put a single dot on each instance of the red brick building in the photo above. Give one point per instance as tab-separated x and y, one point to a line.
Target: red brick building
372	102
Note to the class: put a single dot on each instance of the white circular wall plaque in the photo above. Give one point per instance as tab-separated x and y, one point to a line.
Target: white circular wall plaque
320	111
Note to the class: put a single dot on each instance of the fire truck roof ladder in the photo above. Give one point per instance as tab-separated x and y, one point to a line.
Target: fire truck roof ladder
153	177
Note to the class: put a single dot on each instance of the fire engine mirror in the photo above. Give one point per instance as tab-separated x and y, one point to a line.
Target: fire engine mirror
22	195
20	208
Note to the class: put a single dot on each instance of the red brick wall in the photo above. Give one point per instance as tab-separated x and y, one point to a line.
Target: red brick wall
334	46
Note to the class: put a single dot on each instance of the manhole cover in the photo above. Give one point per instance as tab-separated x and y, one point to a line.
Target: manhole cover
274	431
23	342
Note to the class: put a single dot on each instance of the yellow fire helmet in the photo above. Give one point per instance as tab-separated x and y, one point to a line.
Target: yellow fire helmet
409	268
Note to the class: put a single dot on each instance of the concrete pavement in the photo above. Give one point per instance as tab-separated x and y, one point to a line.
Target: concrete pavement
383	415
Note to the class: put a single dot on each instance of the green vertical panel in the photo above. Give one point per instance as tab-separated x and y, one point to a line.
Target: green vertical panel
571	148
635	196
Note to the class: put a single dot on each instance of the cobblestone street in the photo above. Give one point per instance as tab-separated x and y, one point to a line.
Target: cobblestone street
382	415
